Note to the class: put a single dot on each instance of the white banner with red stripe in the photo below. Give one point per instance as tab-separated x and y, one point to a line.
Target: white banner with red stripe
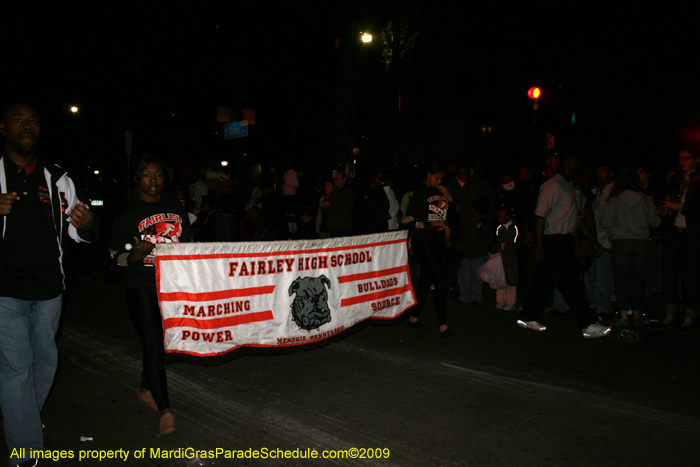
217	297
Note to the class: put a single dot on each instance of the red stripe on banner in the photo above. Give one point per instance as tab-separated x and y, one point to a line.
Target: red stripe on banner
219	322
293	342
375	295
211	296
372	274
274	253
281	342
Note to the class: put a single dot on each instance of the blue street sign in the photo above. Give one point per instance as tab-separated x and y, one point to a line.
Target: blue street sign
236	130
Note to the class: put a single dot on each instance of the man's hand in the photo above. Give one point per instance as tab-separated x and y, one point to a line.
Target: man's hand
599	249
670	205
80	216
6	202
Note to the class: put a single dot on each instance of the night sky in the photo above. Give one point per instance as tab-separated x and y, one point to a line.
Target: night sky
630	74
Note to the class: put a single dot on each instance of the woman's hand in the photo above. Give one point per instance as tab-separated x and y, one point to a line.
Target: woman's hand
141	249
445	192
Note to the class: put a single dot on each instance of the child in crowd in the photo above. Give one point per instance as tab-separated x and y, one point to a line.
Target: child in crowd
507	234
476	236
306	227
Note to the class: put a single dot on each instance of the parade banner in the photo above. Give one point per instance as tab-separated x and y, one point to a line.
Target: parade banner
217	297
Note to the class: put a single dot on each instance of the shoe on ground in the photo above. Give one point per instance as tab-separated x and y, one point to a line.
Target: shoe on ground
29	463
534	325
499	306
664	326
417	324
684	330
448	334
147	398
622	322
167	423
596	331
508	307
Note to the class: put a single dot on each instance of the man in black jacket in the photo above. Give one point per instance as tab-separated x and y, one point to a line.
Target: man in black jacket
39	208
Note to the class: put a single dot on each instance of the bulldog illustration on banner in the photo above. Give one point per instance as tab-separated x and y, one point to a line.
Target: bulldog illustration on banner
217	297
310	306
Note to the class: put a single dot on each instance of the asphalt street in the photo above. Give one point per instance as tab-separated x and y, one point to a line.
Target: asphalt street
496	395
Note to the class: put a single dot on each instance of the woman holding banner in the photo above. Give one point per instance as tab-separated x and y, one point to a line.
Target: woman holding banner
425	217
152	218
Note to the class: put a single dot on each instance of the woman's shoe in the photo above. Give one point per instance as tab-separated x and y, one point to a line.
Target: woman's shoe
418	325
147	398
448	334
167	423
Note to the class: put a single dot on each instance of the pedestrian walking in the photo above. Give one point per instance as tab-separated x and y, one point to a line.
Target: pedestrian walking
40	210
151	219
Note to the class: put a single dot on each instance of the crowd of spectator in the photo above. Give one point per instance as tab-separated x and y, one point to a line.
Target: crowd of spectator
632	231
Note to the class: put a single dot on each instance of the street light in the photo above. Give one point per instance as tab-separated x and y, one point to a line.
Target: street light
74	109
366	37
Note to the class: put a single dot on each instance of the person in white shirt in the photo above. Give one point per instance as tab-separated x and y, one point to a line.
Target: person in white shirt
198	190
557	217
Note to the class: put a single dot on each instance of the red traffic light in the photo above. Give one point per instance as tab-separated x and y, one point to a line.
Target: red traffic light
534	93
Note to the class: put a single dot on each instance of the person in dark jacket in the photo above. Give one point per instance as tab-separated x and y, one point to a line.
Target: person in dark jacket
468	185
476	236
340	206
39	212
273	214
681	244
376	206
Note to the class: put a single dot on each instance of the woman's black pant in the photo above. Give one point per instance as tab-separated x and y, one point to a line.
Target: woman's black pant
681	255
431	257
145	314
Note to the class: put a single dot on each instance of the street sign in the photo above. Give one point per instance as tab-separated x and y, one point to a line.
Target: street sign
236	130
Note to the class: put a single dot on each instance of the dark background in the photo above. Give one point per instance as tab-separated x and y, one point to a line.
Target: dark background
628	72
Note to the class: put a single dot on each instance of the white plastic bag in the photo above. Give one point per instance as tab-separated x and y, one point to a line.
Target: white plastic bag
492	272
